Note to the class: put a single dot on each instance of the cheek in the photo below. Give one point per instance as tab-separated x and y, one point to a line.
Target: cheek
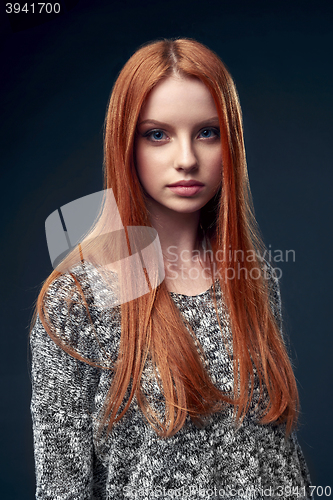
145	158
145	168
215	163
141	162
151	162
216	173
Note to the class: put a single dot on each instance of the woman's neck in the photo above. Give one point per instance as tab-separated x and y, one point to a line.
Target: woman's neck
184	255
178	232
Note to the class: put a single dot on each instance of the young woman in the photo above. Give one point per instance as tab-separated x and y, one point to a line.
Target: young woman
183	389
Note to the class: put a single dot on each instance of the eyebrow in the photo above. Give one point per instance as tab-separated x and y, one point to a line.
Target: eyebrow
209	121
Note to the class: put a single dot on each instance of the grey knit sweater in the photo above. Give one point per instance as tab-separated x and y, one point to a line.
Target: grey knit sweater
216	461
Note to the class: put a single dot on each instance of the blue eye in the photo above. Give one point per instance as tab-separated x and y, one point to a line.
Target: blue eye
154	135
208	133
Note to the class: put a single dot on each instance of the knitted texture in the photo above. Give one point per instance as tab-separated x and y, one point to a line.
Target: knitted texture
215	461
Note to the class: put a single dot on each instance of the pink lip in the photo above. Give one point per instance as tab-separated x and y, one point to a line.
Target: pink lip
186	183
186	190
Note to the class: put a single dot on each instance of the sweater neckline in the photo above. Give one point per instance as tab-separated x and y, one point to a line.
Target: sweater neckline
176	294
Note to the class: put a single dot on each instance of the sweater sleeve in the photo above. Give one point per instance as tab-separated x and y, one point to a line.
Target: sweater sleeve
63	390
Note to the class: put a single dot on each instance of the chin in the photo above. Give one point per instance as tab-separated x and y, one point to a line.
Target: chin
181	206
187	209
190	204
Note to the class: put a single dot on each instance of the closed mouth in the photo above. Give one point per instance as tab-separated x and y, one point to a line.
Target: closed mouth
186	184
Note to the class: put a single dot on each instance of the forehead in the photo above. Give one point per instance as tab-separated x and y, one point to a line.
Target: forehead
176	96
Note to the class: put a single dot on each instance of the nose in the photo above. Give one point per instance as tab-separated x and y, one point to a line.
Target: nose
185	158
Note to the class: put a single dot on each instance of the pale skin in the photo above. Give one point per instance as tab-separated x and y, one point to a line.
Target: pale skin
178	139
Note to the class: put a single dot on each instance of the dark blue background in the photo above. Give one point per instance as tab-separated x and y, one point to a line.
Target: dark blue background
56	80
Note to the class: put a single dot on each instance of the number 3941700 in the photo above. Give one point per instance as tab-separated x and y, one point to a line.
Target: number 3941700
33	8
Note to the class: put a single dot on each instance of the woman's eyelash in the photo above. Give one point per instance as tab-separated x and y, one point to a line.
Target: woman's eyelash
150	133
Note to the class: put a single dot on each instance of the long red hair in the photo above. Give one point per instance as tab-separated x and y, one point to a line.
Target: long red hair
151	325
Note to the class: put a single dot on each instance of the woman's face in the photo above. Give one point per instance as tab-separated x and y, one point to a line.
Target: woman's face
178	141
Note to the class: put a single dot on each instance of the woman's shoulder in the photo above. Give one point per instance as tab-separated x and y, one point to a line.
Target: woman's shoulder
82	285
271	279
79	309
